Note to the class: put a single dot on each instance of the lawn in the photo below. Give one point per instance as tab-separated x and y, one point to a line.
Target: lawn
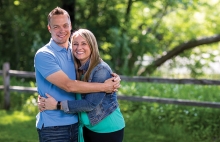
17	127
145	122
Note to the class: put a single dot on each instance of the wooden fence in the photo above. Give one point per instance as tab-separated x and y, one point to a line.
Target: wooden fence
6	73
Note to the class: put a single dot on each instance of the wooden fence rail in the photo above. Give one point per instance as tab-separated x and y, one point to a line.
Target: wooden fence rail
6	73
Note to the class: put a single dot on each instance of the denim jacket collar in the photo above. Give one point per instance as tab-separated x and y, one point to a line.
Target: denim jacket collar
85	66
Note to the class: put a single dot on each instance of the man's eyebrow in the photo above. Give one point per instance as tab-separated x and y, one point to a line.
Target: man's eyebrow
54	25
66	24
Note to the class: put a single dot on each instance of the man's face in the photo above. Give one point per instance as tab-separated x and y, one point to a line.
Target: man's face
60	27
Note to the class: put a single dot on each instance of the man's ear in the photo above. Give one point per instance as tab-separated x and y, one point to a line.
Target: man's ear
48	27
71	28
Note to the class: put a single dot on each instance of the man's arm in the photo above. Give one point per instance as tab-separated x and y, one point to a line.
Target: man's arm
61	80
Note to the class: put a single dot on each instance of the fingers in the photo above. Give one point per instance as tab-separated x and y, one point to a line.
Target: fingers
116	79
47	95
117	85
41	103
114	74
38	98
41	106
41	99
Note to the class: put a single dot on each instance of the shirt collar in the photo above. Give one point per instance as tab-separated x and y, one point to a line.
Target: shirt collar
57	47
85	66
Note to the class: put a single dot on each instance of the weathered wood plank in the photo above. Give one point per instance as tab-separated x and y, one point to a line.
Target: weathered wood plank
23	89
8	73
6	81
170	101
22	73
170	81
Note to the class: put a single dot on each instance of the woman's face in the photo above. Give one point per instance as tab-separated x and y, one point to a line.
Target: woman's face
81	49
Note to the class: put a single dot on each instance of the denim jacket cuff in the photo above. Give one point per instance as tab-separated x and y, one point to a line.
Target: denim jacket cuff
65	106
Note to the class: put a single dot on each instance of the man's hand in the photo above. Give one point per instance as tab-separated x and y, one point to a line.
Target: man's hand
114	83
48	103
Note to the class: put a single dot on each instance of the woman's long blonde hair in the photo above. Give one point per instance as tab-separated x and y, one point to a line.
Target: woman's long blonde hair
94	57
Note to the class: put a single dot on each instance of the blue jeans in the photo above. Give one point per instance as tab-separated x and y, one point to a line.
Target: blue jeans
68	133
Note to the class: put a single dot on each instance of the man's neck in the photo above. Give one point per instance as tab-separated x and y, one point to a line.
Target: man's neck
64	45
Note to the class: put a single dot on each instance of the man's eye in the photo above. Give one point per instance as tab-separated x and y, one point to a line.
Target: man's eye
66	26
75	44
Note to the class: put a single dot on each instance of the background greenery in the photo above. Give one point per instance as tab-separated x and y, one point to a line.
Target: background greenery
151	122
135	37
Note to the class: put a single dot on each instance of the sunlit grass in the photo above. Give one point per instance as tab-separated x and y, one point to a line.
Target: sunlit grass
16	126
145	121
13	117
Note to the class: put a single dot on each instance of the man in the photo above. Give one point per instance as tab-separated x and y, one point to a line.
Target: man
55	75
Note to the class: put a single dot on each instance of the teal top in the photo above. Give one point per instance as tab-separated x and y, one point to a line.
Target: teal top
111	123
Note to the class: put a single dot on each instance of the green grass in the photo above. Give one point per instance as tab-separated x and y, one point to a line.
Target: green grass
145	122
16	126
170	123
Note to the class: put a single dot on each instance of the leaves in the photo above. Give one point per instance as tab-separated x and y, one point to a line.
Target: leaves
128	32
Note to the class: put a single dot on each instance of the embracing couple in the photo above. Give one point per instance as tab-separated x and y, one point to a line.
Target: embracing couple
77	89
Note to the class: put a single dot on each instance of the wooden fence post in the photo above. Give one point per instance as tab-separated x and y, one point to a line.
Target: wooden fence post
6	80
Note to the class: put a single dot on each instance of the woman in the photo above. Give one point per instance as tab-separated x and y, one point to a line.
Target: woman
99	113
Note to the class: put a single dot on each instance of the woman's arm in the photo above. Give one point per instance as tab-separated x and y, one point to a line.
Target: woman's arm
89	103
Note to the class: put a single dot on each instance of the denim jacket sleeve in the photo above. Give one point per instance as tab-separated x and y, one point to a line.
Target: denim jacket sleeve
90	100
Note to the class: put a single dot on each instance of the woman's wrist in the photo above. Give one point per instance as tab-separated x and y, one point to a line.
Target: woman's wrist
58	105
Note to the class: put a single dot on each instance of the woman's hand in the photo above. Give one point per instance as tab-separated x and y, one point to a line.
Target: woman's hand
40	104
48	103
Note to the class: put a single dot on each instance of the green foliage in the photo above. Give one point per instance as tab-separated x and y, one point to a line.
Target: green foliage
127	31
164	122
23	30
191	92
161	122
145	121
21	101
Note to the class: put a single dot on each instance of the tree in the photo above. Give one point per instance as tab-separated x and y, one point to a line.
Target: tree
23	30
180	49
130	30
127	31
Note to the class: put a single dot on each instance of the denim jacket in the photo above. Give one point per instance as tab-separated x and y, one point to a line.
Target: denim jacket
97	105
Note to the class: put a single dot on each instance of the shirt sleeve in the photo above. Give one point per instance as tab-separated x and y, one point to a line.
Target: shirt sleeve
45	63
91	100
